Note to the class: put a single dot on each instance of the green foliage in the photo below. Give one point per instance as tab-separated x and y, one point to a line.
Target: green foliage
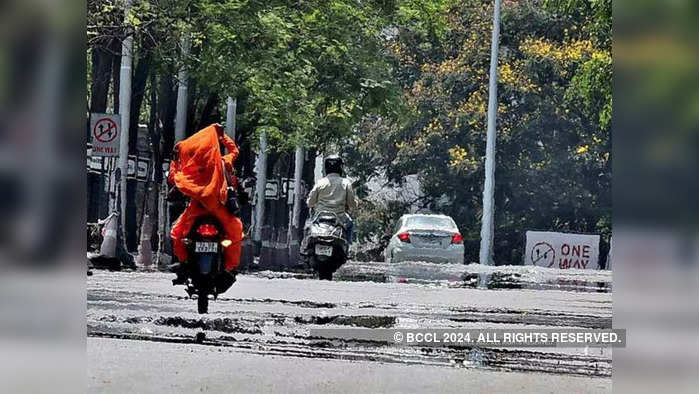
552	164
310	69
425	17
592	85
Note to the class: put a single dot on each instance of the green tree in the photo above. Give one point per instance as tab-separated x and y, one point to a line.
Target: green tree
553	169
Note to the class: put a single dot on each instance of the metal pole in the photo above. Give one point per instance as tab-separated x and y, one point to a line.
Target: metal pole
298	173
181	114
487	228
318	167
260	187
125	110
296	209
109	185
231	108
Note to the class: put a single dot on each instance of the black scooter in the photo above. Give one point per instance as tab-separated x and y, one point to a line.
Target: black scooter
327	244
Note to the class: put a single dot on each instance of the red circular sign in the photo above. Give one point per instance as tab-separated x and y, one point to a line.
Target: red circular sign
105	130
543	254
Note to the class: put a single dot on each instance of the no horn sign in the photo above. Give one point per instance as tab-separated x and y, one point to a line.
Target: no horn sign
104	131
562	250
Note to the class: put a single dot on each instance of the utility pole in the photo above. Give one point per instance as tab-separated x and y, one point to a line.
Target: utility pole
181	114
296	211
231	108
318	167
487	227
125	111
260	188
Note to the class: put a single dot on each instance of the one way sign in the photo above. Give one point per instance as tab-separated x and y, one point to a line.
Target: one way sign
104	130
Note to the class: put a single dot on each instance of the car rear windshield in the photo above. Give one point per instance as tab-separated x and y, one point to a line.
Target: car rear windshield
430	222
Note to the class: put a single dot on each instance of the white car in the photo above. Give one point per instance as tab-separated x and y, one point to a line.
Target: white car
432	238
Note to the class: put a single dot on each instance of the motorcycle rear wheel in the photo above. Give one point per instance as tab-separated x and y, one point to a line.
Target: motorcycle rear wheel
324	268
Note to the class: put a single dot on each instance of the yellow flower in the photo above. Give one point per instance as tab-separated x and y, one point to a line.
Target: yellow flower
506	74
569	51
583	149
457	155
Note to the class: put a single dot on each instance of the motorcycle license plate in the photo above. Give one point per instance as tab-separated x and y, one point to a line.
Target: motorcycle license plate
206	247
324	250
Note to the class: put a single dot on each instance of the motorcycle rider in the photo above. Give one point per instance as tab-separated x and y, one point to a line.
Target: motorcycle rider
196	171
333	193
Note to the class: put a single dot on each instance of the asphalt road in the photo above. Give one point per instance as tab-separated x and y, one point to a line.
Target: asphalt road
141	331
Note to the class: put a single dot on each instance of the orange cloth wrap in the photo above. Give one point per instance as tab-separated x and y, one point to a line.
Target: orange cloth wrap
197	172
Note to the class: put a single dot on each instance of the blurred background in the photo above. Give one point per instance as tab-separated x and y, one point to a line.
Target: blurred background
42	178
656	237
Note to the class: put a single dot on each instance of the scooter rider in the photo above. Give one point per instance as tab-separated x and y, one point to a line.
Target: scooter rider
333	193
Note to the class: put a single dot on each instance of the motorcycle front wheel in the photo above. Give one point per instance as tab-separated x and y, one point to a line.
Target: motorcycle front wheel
203	299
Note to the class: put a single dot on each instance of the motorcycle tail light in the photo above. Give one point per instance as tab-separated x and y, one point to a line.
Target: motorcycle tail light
404	237
457	239
207	230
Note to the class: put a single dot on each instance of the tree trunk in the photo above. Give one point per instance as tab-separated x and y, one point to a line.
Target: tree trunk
101	75
246	159
140	78
156	163
99	92
167	106
192	103
209	112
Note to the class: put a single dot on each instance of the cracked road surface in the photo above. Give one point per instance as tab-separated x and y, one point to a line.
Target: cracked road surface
142	331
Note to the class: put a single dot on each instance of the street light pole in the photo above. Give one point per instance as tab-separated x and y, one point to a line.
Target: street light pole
487	227
296	210
260	184
125	112
182	85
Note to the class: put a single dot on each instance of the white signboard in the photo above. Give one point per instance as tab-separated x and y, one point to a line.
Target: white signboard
104	132
272	190
94	163
562	250
137	168
288	190
142	169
